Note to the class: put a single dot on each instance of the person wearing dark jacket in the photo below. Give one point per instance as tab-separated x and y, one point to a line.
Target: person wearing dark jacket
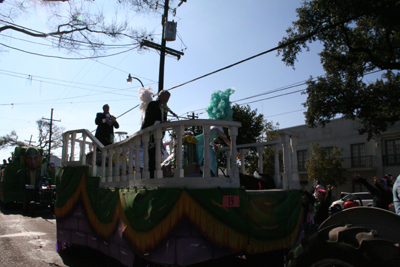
382	192
156	112
105	126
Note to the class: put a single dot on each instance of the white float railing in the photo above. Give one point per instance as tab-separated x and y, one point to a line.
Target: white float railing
124	175
286	143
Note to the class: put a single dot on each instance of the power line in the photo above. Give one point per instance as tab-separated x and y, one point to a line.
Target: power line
64	81
104	92
100	48
67	58
305	36
293	111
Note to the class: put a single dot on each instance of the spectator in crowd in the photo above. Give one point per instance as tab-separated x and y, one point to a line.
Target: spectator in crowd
317	186
396	195
43	182
4	165
382	190
321	206
309	225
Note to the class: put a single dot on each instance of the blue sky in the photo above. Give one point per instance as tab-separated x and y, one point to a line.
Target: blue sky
216	34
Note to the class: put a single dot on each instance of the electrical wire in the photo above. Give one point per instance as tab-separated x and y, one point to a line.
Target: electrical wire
59	80
49	45
103	92
300	38
66	58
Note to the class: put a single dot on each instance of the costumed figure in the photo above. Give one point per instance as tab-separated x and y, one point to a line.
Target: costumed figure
31	175
219	109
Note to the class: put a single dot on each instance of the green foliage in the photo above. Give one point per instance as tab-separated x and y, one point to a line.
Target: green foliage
252	124
10	140
327	168
253	130
358	36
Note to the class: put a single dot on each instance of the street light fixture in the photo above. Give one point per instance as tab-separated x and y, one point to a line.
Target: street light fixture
129	80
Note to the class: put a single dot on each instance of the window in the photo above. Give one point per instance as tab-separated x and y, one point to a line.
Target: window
393	152
358	155
328	150
301	160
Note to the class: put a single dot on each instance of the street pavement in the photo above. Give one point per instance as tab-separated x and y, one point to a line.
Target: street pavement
31	242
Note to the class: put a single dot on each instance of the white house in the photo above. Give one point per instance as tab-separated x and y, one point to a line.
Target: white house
375	157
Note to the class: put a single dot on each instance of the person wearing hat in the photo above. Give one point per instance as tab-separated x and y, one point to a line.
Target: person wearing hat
321	205
31	174
105	126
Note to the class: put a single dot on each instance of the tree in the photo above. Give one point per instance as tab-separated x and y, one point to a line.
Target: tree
252	130
44	134
327	168
252	124
74	24
10	140
358	37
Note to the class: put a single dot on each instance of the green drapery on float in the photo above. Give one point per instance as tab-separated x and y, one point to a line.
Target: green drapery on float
264	221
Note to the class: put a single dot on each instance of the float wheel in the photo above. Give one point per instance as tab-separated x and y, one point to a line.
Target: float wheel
345	246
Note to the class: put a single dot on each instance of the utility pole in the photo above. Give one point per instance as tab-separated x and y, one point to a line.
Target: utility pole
192	117
51	128
164	20
162	48
30	141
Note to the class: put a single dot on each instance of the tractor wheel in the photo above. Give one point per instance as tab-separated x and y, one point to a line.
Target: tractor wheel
345	246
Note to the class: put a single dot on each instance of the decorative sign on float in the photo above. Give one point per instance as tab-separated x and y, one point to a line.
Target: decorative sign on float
230	201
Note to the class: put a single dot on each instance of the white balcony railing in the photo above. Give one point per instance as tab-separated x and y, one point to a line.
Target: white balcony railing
77	144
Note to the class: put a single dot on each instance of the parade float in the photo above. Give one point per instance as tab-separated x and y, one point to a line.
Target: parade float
178	220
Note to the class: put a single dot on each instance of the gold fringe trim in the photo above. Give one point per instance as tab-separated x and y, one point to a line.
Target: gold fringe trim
216	231
64	210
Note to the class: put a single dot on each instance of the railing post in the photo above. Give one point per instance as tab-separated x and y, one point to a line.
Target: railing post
138	175
206	133
145	141
228	161
294	182
83	149
65	147
277	178
158	139
130	169
73	137
234	172
116	175
124	151
109	167
260	159
103	165
94	159
287	162
179	130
